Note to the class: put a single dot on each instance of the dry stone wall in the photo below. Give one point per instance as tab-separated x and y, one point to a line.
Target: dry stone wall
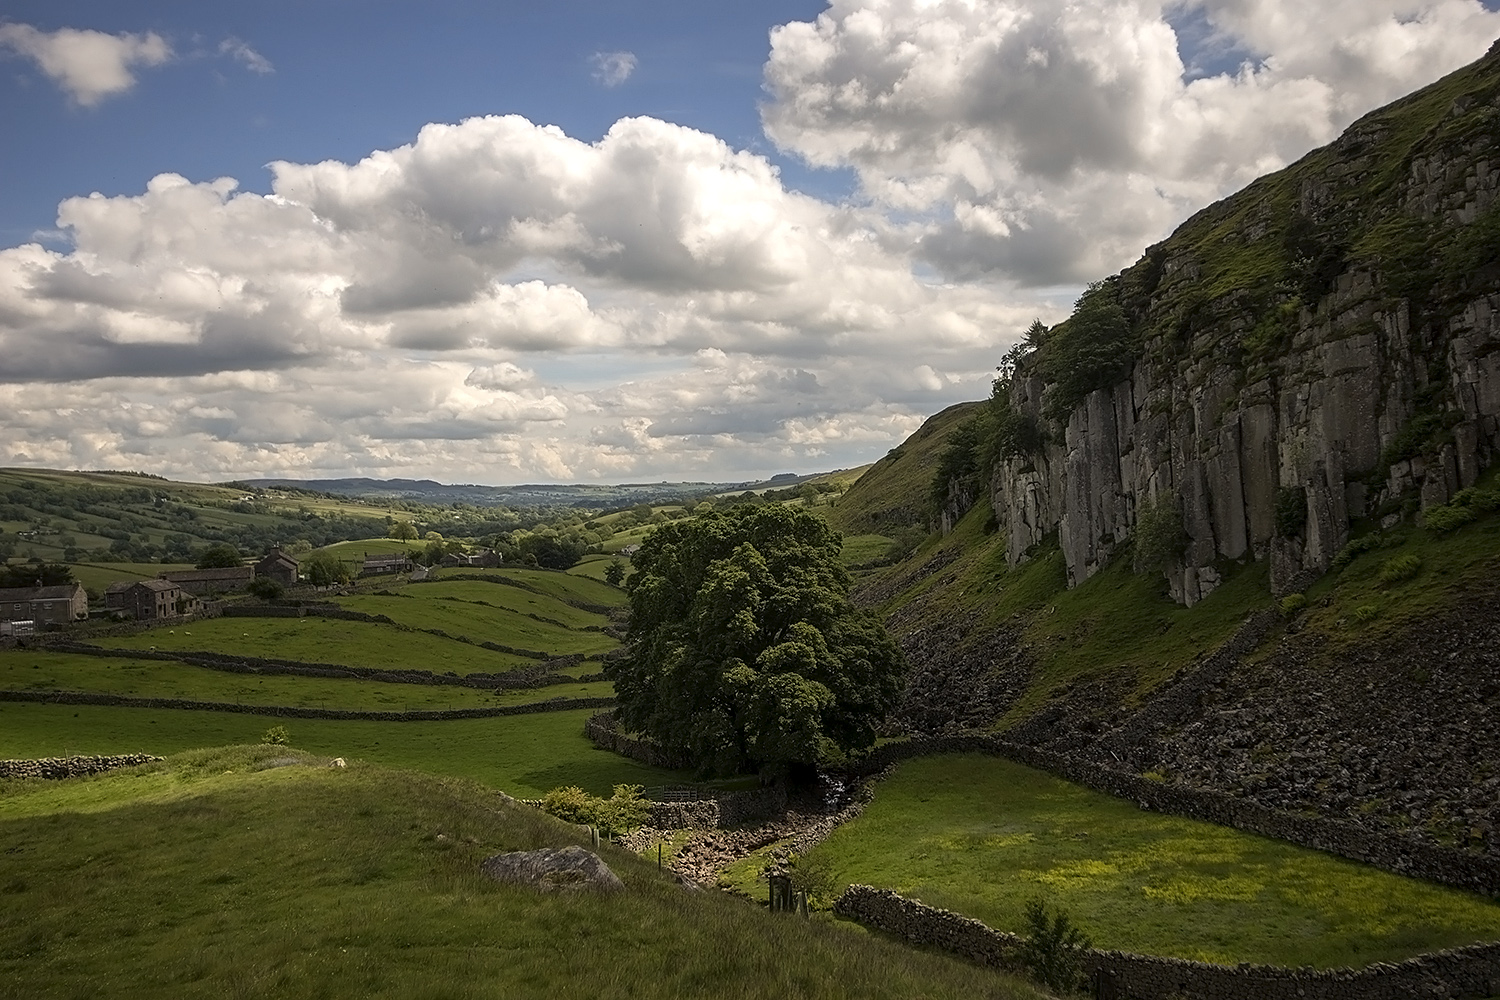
1462	972
71	767
290	712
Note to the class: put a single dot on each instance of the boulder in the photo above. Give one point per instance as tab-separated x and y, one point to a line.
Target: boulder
551	869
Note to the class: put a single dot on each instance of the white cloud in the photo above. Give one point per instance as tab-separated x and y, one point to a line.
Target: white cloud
1052	142
499	301
88	65
242	53
612	68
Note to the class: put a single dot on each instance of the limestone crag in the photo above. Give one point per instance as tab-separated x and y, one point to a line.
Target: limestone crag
1340	380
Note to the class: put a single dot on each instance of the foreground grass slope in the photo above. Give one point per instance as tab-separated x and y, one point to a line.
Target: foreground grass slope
981	835
215	874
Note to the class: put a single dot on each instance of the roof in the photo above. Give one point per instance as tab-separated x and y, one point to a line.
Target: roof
61	592
280	557
160	586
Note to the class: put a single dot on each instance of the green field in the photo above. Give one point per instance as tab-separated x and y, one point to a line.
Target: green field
486	612
213	876
29	670
526	755
563	586
981	836
324	640
98	576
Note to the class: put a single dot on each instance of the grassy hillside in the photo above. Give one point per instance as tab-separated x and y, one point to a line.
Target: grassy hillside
892	494
219	873
120	517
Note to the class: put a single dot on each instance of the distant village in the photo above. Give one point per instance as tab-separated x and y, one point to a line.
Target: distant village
172	593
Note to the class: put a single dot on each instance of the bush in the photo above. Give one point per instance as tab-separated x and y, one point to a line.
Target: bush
277	736
1356	548
814	874
1446	517
1399	568
625	810
1486	501
1292	605
1160	538
1366	613
1050	948
1291	511
265	588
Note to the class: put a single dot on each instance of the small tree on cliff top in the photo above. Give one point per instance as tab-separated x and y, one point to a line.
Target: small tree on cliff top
747	655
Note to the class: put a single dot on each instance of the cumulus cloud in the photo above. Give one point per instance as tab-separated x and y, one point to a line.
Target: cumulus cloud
612	68
1050	142
88	65
498	300
242	53
715	316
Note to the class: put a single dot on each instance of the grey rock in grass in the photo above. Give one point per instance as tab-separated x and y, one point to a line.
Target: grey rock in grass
551	869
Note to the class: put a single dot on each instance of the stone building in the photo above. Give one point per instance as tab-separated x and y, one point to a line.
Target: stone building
56	605
145	600
278	566
211	581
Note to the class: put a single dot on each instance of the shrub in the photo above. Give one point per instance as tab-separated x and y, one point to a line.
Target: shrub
613	816
265	588
1160	538
1356	548
277	736
1292	605
1291	511
1050	948
1446	517
814	874
1399	568
1366	613
1474	498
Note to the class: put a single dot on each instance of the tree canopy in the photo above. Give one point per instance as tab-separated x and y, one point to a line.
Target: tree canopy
220	556
746	654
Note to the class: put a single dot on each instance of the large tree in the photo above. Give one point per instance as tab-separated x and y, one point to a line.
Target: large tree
746	653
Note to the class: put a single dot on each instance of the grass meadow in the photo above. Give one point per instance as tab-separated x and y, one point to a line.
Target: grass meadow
525	755
324	640
981	835
41	670
209	876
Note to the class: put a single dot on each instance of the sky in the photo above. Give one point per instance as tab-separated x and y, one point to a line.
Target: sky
608	240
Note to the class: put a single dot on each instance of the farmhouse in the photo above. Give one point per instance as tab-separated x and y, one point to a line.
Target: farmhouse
44	605
278	566
146	600
386	562
210	581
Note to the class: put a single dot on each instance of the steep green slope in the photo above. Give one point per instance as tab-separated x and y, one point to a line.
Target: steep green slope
892	493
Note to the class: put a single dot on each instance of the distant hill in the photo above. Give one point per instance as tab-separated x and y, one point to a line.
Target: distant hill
528	495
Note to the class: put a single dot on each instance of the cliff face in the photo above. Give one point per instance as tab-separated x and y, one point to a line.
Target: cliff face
1321	347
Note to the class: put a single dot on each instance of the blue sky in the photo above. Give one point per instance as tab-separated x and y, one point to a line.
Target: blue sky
351	77
608	241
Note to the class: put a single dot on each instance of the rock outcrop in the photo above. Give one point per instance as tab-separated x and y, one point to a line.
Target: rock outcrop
1322	346
552	869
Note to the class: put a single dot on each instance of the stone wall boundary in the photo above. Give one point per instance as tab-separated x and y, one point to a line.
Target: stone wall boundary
1460	972
541	675
54	768
298	712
